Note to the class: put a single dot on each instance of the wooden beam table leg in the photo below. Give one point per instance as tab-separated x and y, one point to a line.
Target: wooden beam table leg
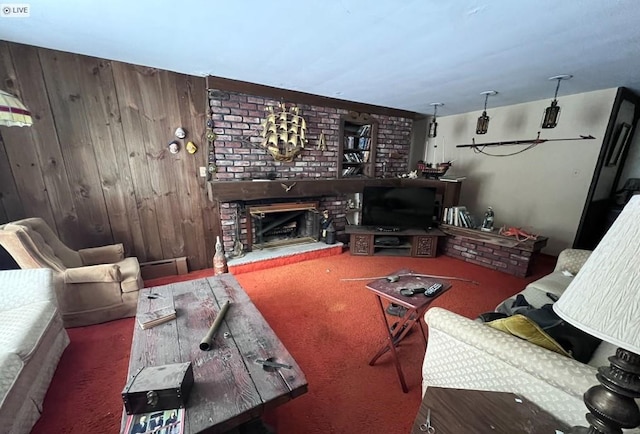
392	347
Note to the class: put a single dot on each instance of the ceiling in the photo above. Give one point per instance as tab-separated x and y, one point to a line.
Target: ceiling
401	54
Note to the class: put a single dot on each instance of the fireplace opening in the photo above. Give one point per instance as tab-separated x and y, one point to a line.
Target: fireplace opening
281	224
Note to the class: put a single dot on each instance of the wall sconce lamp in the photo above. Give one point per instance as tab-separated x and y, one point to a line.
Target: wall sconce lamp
551	113
433	125
483	121
12	112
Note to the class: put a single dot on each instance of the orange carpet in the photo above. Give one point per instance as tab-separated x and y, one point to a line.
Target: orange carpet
331	327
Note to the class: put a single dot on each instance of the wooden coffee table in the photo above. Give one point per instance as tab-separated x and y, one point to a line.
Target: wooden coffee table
416	305
230	387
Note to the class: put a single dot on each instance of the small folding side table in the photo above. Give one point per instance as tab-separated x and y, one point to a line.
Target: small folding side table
416	305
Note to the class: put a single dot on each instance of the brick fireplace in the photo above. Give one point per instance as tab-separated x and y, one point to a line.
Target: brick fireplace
236	118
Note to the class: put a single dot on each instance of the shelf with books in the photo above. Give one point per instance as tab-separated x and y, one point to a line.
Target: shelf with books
356	153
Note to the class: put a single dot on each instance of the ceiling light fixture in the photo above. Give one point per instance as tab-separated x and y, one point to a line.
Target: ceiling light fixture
433	125
483	121
12	112
551	113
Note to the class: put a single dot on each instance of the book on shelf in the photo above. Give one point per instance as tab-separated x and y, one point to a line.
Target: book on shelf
458	216
156	317
161	421
364	130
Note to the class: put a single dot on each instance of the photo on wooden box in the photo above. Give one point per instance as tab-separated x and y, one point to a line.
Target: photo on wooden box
157	422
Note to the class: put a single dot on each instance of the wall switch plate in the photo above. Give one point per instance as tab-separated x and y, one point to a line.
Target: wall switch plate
203	172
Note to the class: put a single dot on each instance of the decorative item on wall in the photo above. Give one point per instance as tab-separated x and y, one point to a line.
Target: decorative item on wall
433	125
180	133
483	121
211	157
12	112
551	113
618	144
479	147
284	132
174	147
191	148
322	143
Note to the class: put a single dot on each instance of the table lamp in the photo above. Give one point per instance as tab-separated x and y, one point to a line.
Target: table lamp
604	300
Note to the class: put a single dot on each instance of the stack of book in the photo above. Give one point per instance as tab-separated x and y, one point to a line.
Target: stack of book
156	317
458	216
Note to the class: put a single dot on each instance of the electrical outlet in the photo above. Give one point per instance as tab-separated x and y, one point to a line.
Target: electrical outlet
203	172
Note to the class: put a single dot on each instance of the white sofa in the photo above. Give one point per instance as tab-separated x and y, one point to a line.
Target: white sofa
467	354
32	340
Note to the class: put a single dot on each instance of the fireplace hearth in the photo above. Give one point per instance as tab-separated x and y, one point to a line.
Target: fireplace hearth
282	224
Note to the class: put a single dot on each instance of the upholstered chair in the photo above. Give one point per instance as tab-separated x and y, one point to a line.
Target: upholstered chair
93	285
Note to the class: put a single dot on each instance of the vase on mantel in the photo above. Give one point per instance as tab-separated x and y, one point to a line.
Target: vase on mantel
219	260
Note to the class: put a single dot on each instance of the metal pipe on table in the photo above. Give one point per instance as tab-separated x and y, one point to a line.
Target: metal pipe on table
207	341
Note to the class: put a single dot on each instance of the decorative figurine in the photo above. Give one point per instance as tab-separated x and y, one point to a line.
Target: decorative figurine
219	260
325	222
487	223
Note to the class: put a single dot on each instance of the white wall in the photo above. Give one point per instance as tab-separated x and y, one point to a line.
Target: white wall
542	189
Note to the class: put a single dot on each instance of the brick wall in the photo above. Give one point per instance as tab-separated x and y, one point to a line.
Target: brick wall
510	260
236	121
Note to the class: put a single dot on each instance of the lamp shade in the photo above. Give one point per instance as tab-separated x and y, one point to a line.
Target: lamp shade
604	297
12	112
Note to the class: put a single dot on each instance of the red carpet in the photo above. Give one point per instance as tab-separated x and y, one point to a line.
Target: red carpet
332	328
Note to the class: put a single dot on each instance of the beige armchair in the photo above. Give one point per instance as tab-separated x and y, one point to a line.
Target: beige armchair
92	285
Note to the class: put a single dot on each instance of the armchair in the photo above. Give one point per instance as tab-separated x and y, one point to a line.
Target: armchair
93	285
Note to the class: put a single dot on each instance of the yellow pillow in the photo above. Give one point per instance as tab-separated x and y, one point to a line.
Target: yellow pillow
524	328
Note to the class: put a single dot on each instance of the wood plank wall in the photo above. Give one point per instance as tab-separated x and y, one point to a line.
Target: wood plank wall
95	164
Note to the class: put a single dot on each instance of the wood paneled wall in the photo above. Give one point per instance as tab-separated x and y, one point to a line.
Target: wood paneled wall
95	164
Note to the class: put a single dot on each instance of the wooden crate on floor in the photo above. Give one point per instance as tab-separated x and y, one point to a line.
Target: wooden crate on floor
164	267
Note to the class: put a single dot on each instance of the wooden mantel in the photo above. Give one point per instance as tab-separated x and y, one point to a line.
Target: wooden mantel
232	191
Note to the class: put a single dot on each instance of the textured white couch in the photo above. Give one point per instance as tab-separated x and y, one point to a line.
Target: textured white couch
466	354
32	340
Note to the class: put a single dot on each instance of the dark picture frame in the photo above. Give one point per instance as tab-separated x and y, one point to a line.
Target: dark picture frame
619	143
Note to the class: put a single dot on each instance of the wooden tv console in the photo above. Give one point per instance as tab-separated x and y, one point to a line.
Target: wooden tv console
368	241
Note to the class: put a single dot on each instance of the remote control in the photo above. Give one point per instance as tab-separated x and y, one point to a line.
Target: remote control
433	290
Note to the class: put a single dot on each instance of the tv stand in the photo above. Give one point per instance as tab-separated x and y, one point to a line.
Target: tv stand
374	241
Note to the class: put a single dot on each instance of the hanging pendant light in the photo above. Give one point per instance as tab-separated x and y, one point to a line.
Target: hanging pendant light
433	125
483	121
12	112
551	113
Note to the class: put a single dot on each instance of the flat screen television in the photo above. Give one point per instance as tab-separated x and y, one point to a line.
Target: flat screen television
391	208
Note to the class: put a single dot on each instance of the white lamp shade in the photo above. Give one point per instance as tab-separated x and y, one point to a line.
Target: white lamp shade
12	112
604	297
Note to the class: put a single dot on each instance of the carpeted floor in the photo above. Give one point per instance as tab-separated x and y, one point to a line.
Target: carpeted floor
331	327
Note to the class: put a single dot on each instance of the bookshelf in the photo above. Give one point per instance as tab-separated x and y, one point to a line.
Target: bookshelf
357	147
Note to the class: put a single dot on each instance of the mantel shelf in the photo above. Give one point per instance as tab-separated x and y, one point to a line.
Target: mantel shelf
233	191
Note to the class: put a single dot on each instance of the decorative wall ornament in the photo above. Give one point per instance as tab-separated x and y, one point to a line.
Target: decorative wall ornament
287	187
322	143
180	133
191	148
284	132
174	147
